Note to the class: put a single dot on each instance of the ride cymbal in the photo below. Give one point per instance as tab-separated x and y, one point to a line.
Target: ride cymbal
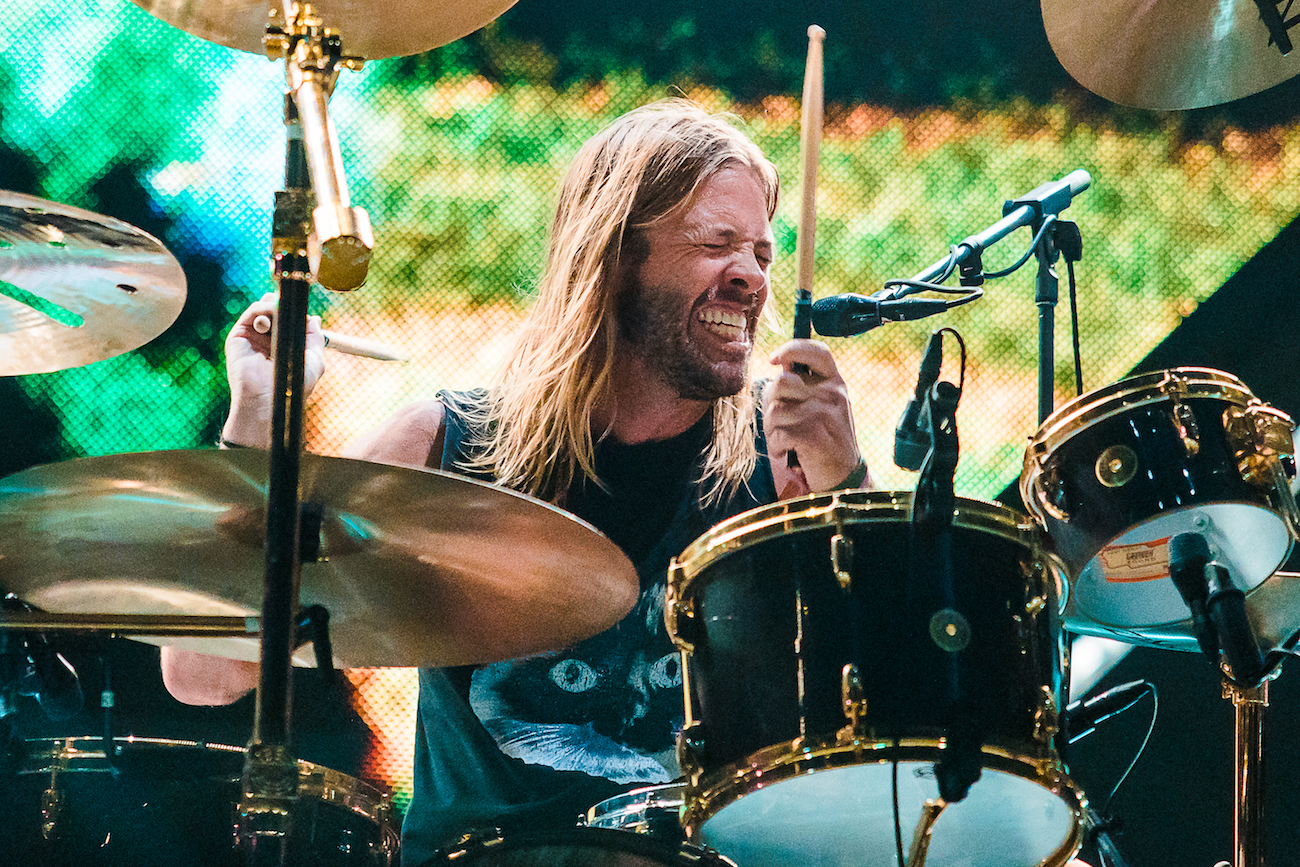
77	287
416	567
369	29
1168	54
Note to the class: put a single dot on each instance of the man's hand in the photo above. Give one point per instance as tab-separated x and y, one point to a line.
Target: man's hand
252	375
807	411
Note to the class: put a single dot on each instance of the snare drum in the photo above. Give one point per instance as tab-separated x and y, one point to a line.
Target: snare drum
655	810
822	675
171	803
1115	474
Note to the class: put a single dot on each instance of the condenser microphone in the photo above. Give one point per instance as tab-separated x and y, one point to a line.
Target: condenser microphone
911	437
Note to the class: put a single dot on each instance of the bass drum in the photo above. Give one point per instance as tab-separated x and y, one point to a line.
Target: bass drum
1118	472
831	685
171	803
574	847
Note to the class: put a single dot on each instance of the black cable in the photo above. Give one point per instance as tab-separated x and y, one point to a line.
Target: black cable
1155	711
1074	330
898	822
1048	221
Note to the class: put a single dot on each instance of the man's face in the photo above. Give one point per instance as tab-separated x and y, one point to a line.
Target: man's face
690	310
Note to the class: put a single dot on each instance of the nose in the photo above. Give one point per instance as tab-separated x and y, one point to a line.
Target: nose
746	272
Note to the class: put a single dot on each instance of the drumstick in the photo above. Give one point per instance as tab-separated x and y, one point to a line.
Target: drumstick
810	140
345	344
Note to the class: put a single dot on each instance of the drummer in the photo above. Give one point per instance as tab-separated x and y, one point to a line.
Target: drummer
627	401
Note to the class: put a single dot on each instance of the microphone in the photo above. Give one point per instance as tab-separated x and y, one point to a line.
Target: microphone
911	438
1082	717
1189	554
1053	196
850	314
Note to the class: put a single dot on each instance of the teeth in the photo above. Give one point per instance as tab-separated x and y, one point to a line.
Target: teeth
714	316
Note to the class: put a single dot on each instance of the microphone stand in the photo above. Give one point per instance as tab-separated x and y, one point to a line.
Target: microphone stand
1033	210
270	776
338	253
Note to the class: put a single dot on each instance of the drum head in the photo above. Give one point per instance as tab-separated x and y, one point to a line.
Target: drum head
845	818
1126	584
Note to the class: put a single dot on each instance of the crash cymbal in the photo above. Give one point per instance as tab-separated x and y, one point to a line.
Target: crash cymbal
368	28
77	287
415	567
1167	54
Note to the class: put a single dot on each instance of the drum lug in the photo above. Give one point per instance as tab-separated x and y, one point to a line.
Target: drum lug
1188	431
690	751
52	800
678	611
853	700
390	839
1051	487
1262	443
51	808
1047	717
842	558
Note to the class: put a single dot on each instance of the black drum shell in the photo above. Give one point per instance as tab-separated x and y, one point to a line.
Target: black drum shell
773	628
172	804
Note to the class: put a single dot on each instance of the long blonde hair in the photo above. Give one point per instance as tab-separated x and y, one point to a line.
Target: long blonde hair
536	427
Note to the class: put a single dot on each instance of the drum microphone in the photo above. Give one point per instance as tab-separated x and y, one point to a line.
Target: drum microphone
850	314
1218	608
1082	717
911	437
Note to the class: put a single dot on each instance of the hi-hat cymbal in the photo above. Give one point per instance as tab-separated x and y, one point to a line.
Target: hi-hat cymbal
415	567
369	28
78	287
1167	54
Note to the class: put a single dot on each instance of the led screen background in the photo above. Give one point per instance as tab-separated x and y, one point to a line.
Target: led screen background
456	159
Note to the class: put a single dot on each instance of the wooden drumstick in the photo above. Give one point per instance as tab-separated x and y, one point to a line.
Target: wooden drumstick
343	343
810	140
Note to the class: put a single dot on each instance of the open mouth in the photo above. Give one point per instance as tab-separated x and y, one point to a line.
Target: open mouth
730	325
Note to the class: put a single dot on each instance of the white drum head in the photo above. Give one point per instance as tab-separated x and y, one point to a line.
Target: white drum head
845	818
1127	584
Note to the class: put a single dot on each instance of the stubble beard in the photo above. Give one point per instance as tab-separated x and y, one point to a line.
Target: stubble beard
654	325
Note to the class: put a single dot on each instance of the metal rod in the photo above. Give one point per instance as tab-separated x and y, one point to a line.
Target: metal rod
220	626
1248	778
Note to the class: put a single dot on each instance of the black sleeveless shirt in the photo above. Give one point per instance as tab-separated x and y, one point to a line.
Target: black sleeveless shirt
611	706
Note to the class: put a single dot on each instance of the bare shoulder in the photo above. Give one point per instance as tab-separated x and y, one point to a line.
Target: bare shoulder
411	437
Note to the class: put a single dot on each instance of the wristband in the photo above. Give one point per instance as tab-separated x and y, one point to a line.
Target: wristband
855	478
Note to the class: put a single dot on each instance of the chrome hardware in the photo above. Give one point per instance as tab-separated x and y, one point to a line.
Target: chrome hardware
1047	717
1116	466
853	701
842	558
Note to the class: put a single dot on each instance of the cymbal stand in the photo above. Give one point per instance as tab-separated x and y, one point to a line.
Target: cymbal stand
338	253
1248	703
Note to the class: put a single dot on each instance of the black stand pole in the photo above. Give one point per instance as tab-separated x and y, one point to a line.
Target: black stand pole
1046	294
270	779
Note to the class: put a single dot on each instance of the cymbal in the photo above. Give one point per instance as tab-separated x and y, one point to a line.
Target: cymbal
78	287
416	567
1167	54
370	29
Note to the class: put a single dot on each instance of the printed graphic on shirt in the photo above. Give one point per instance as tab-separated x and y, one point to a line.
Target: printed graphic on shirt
609	706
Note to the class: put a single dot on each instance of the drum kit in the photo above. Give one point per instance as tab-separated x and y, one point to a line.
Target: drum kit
842	704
